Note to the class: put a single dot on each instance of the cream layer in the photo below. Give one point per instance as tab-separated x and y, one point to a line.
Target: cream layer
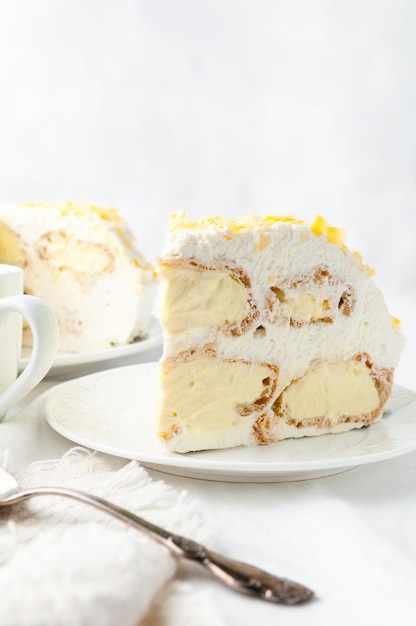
191	298
331	391
204	399
206	402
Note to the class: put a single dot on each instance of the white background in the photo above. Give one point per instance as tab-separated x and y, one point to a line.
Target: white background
218	106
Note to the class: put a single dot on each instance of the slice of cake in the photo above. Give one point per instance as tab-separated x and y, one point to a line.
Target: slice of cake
273	328
84	262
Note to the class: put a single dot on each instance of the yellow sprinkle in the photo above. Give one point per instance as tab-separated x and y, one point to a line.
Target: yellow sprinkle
396	322
336	235
333	234
358	255
81	208
180	221
319	226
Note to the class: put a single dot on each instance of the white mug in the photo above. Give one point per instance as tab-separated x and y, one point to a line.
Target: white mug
14	306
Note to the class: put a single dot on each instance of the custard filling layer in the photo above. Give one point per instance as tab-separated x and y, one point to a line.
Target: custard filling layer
204	395
10	249
78	256
201	298
301	306
331	391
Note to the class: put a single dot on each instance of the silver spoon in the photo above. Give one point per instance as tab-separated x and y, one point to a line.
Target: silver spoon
239	576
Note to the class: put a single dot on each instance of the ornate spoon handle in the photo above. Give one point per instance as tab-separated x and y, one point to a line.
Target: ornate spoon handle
239	576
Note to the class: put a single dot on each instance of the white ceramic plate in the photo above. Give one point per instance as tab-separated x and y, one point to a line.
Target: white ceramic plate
113	412
68	362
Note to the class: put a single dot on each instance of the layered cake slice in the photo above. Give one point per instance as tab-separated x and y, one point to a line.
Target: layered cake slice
84	262
273	329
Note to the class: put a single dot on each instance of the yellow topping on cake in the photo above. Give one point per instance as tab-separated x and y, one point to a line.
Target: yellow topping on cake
81	208
334	234
110	215
319	226
396	322
180	221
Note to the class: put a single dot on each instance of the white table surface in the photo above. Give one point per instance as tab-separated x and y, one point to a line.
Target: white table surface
351	536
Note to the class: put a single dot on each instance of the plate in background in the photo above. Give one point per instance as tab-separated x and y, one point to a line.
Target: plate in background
70	362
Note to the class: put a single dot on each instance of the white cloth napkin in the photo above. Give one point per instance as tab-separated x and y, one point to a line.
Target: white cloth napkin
63	563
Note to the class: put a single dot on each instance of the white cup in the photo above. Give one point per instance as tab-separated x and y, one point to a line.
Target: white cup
14	305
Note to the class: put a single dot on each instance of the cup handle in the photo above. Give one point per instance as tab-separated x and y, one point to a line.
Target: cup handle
45	345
